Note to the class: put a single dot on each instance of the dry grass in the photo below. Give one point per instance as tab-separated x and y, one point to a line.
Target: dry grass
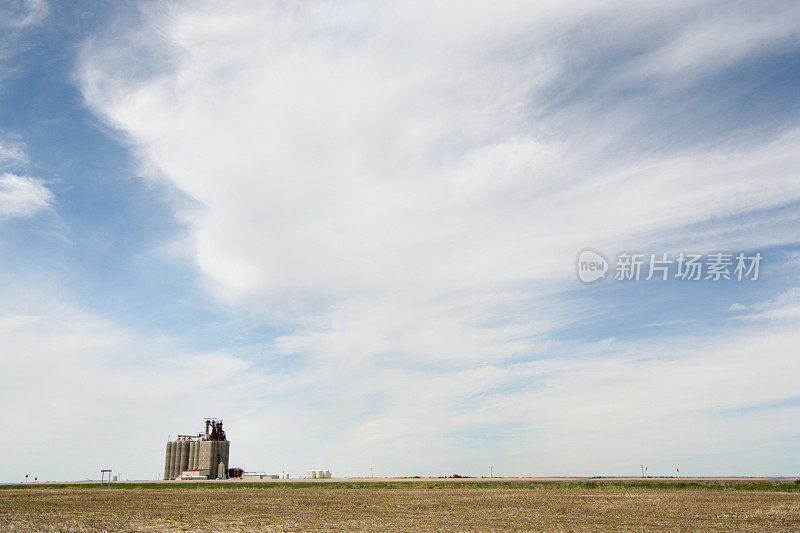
407	509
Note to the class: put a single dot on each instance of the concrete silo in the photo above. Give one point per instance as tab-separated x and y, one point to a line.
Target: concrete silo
184	457
174	461
192	448
167	463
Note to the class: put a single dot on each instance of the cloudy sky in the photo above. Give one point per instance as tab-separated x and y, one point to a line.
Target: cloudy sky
350	229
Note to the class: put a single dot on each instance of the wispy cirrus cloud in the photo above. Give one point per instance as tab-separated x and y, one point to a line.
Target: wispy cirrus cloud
22	196
16	18
401	193
361	147
784	306
18	14
13	153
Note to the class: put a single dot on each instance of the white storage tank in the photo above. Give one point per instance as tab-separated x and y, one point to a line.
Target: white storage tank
319	474
326	474
115	477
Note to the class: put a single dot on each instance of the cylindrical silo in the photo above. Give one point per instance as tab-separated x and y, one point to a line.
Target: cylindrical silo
197	455
174	461
319	474
175	458
192	446
326	474
184	456
166	461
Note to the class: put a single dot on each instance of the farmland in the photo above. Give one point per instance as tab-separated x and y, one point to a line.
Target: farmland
763	505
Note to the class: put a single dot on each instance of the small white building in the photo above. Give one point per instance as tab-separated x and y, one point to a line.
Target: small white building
198	473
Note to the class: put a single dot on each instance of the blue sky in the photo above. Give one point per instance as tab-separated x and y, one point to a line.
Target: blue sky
350	230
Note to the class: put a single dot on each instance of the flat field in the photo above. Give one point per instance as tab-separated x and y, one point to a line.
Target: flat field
758	505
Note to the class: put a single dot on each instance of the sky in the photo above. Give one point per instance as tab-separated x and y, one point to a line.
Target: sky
350	230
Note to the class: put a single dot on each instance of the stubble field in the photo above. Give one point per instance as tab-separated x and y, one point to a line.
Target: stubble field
405	507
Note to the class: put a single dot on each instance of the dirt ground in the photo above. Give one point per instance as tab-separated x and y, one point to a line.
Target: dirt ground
387	509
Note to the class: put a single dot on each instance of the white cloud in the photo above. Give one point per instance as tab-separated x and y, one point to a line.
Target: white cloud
22	13
16	17
340	152
110	395
782	307
392	188
22	196
736	307
569	411
731	35
12	151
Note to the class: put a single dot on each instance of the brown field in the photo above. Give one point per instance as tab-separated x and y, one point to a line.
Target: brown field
412	507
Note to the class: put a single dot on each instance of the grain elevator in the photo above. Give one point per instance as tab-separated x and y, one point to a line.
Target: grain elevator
201	456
